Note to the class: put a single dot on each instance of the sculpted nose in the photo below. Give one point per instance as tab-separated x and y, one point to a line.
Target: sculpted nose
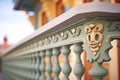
93	38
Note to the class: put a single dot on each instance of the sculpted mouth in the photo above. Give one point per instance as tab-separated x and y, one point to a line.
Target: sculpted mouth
94	45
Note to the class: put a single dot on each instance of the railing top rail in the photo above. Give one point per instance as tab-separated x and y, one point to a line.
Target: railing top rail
87	10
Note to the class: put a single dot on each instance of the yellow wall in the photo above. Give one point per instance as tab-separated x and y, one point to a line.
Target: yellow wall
32	19
53	8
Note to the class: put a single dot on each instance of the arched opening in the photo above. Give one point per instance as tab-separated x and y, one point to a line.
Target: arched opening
44	18
59	7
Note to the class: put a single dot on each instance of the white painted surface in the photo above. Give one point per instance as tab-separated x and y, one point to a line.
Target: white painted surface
114	62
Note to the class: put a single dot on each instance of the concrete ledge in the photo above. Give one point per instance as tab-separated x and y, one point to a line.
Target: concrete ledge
87	10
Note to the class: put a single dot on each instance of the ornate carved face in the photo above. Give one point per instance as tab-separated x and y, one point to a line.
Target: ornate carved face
94	36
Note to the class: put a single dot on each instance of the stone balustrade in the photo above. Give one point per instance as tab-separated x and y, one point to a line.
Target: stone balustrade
87	27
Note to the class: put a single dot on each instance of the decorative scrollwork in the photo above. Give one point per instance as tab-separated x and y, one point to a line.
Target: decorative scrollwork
94	36
40	43
67	33
115	27
46	40
63	35
73	31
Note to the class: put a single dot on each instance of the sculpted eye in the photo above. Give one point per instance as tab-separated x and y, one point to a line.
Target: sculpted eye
89	38
96	37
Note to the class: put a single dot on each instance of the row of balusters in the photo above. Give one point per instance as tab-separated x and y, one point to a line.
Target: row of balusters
32	66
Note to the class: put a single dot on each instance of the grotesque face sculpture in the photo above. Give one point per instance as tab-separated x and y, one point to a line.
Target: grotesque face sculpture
94	36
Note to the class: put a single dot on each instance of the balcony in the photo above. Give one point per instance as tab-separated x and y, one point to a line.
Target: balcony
54	51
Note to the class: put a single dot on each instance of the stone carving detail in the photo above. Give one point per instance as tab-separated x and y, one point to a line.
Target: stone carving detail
115	27
94	36
72	31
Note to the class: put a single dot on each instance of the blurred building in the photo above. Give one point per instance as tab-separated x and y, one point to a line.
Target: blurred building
42	11
3	47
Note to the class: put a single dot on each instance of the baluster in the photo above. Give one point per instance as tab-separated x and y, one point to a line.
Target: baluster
42	66
56	66
49	65
78	68
98	71
66	69
31	60
37	67
29	65
25	68
33	63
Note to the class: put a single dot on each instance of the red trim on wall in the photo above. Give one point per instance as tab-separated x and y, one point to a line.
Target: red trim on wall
85	75
85	1
117	1
59	8
87	66
118	61
44	18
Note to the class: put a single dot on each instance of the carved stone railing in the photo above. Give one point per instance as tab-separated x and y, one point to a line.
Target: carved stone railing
90	27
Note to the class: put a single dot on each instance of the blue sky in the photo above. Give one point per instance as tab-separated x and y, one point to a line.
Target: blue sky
14	24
